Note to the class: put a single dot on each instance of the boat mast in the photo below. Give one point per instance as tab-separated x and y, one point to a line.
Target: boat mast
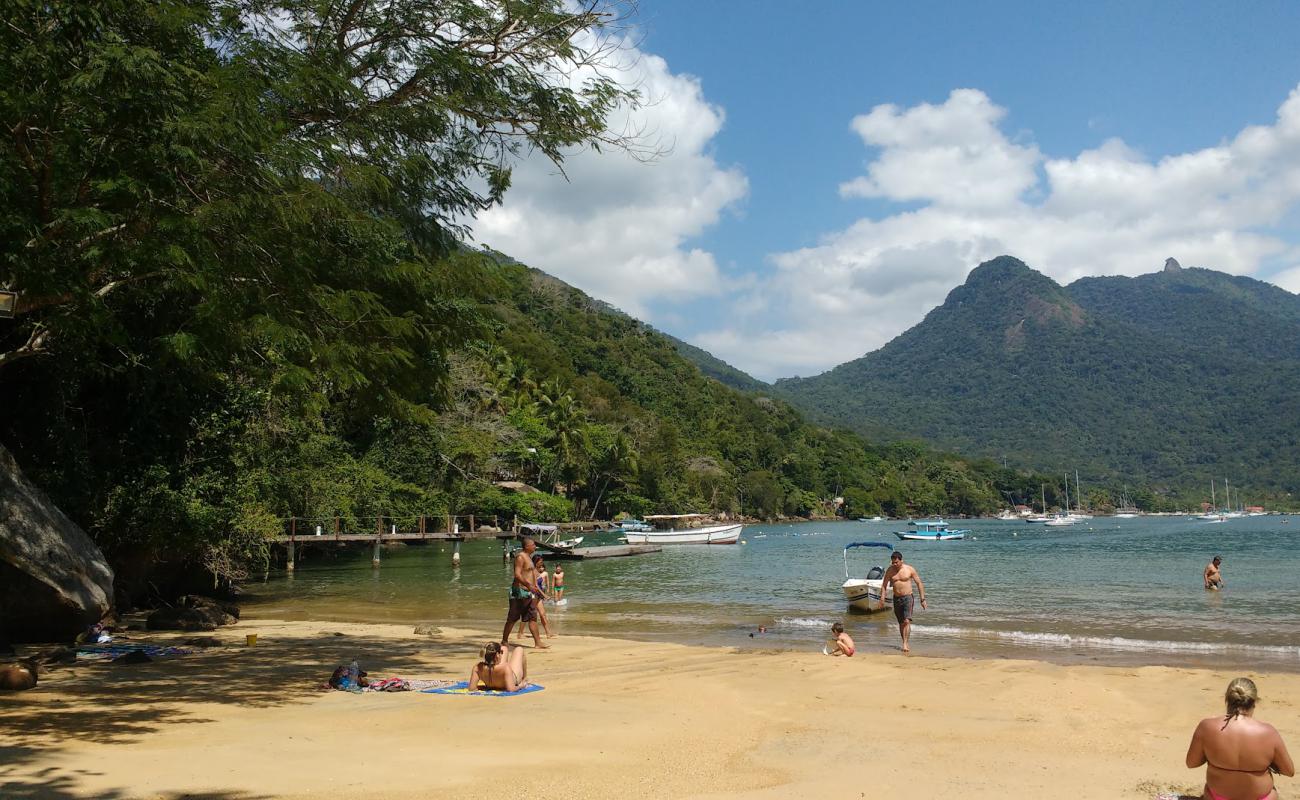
1214	506
1067	493
1078	493
1042	488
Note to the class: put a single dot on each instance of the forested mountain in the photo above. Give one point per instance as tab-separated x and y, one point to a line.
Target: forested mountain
1173	377
718	369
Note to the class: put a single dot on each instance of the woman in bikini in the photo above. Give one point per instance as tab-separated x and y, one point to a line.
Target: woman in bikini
539	564
1238	750
501	668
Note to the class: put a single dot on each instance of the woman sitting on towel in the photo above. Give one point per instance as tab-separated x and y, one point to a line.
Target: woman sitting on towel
503	668
1239	750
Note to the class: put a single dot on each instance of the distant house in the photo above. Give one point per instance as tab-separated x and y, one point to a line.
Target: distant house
1254	509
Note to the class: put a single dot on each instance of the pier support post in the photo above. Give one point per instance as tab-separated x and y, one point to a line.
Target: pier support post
379	536
293	531
471	524
455	553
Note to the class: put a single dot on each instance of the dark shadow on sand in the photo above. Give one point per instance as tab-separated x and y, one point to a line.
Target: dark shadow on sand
121	703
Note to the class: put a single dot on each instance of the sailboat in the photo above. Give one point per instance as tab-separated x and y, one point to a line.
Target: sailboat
1126	511
1214	515
1078	498
1061	520
1039	519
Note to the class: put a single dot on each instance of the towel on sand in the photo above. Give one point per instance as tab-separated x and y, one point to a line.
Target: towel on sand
108	652
461	687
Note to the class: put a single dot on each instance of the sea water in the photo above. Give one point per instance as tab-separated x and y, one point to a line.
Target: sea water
1117	591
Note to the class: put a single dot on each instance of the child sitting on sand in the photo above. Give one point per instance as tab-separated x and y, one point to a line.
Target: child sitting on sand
841	644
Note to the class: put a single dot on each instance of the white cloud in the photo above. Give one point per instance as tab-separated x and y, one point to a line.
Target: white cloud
620	228
1103	211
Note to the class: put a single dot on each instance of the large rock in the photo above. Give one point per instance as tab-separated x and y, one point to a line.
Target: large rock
54	581
193	613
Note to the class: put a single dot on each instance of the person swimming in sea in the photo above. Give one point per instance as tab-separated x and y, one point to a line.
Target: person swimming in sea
1213	575
841	644
1239	752
501	668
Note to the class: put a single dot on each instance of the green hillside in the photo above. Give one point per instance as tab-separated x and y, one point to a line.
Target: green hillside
1170	378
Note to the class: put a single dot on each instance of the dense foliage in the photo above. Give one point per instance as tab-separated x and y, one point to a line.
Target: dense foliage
1162	381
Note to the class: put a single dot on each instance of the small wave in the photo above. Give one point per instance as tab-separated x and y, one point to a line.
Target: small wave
1107	642
803	622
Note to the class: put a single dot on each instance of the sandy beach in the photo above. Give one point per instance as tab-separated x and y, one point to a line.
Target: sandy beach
616	717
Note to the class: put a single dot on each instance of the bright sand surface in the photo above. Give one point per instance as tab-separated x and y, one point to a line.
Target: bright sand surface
617	719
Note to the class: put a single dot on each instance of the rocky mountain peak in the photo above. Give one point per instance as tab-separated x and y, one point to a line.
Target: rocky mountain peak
1172	265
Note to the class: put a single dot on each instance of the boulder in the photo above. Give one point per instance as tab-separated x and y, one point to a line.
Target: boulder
54	581
17	677
193	613
425	629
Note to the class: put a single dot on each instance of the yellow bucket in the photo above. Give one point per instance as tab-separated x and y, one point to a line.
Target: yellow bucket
250	639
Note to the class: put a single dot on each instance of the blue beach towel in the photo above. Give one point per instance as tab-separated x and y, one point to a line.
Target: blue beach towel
462	688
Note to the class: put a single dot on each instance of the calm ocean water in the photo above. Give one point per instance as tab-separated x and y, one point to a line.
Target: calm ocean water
1109	590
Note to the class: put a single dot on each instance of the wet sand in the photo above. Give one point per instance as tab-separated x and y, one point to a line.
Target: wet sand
617	718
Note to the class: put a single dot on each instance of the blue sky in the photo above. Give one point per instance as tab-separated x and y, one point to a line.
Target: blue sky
838	167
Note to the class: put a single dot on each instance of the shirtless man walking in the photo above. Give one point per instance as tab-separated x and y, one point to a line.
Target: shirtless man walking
1213	577
523	600
901	576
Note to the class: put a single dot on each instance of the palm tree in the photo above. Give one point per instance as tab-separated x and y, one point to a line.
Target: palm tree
617	459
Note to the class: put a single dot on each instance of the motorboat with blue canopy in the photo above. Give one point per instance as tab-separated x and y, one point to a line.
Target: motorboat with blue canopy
863	594
935	530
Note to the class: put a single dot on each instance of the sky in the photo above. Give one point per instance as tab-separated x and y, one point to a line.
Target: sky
830	171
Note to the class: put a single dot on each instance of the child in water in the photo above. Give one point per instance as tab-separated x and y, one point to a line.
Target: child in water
841	644
557	587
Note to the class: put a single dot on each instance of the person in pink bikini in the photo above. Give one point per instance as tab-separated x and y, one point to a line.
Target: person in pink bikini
1239	751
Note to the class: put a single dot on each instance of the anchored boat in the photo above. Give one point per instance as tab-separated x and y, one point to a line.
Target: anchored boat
712	534
935	530
864	593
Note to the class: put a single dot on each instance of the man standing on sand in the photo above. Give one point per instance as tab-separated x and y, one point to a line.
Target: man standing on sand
901	576
1213	577
523	602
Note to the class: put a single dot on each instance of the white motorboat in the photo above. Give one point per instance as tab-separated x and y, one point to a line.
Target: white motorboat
1125	515
1038	519
1062	521
864	593
712	534
935	530
635	525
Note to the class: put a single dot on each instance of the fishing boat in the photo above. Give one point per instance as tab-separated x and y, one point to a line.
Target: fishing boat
935	530
864	593
712	534
547	537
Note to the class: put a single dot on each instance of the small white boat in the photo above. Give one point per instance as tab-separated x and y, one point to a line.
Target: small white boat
1038	519
935	530
864	593
635	525
1062	521
713	534
1125	515
871	519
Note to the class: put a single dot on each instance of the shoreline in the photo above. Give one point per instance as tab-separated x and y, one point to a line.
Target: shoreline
638	718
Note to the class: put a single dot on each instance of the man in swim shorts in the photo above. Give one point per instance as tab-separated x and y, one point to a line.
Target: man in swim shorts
523	600
1213	576
901	576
